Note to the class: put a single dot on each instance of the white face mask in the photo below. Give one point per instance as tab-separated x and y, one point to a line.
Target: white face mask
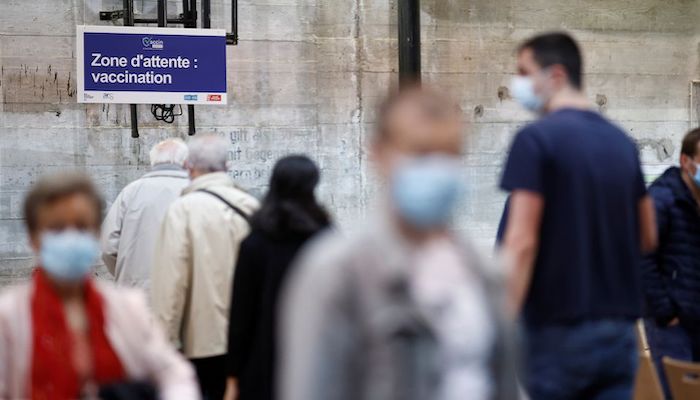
522	88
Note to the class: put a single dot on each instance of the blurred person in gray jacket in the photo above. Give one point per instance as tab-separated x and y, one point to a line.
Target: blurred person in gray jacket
133	222
403	309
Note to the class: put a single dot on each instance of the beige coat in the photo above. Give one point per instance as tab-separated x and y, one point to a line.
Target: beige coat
131	227
142	348
194	261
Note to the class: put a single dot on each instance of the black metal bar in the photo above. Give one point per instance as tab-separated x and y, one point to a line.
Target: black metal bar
409	42
128	12
185	8
185	16
193	13
191	128
111	15
134	121
129	21
206	14
162	13
232	38
177	21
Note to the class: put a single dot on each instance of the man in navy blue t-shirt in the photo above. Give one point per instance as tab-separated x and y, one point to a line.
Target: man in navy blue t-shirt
578	221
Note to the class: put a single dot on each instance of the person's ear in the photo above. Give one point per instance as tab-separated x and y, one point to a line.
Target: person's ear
558	75
35	242
684	161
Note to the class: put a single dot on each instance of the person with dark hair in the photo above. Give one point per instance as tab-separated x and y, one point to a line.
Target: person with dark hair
289	217
65	335
403	309
672	273
578	221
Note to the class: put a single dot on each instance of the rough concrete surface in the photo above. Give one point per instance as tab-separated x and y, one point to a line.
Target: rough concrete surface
306	77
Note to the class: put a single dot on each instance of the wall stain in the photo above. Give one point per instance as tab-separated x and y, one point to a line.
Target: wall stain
664	147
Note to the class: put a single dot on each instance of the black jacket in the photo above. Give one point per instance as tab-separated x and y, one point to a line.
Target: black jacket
263	264
672	274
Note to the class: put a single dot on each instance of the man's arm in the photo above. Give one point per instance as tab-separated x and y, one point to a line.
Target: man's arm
170	276
111	233
522	242
647	225
658	298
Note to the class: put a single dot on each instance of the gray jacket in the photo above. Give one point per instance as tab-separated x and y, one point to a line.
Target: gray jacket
131	227
349	329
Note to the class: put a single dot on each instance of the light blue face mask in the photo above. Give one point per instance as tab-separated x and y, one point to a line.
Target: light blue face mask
522	88
68	255
696	177
425	190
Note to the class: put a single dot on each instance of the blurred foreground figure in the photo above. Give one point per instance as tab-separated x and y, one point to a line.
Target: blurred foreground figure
288	218
131	227
578	220
672	273
64	335
194	260
403	310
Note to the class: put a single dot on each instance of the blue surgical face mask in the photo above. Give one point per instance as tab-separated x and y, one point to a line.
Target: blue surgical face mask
425	190
696	177
522	88
68	255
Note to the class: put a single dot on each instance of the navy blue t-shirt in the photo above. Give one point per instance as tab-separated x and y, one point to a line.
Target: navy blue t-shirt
588	172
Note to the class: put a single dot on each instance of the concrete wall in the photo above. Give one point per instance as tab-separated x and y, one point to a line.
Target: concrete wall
306	76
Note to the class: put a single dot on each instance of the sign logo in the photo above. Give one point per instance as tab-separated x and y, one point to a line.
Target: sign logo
214	97
154	44
107	96
88	96
191	97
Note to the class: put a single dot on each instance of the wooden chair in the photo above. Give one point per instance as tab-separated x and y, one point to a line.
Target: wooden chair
646	385
683	378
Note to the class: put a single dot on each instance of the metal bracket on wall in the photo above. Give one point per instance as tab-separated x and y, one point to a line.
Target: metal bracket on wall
694	104
188	18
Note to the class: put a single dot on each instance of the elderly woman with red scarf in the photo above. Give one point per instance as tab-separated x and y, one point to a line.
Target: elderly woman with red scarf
65	335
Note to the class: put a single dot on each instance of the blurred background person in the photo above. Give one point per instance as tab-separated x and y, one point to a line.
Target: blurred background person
672	272
130	230
63	335
578	220
194	261
288	217
404	309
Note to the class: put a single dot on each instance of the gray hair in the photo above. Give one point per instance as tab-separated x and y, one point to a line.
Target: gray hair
169	151
208	153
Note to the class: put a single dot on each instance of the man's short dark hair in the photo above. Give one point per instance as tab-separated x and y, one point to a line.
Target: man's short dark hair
557	48
690	143
56	187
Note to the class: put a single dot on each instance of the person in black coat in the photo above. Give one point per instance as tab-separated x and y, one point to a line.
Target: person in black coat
288	218
672	274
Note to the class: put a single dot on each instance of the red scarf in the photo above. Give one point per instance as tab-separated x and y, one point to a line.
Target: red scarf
53	375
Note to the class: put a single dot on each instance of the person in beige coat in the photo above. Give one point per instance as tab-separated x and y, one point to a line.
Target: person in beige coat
66	335
195	258
130	230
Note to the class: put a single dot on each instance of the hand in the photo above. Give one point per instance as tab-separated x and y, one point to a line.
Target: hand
673	322
231	389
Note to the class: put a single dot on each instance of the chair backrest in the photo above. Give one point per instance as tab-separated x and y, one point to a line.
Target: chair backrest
646	383
683	378
642	342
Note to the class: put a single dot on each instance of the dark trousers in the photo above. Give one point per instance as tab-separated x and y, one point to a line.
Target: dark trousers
670	341
211	373
593	360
